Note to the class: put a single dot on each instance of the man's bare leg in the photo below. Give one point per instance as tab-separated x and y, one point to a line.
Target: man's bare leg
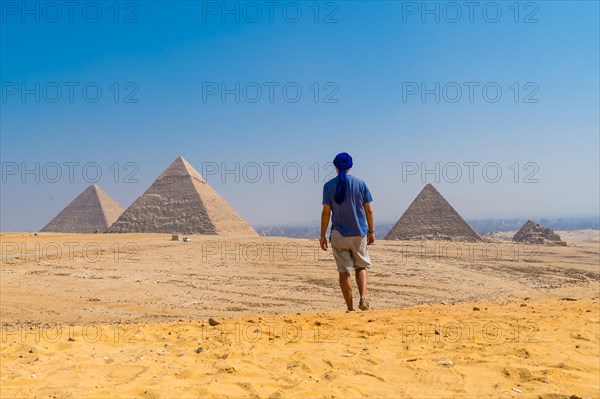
346	286
361	281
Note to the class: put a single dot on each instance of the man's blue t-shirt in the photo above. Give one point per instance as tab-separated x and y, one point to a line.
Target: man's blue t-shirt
349	218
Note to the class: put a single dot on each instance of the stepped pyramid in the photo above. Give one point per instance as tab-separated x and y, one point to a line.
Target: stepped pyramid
180	201
533	233
92	211
431	217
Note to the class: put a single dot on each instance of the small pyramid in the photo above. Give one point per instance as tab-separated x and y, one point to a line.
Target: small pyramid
92	211
180	201
431	217
533	233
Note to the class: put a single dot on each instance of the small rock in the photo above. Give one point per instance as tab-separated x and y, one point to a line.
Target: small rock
370	320
199	350
180	355
317	323
517	390
71	339
445	362
32	350
568	299
437	332
213	322
523	305
561	365
475	308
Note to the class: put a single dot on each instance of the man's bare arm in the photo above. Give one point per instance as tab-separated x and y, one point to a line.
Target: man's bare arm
370	222
325	217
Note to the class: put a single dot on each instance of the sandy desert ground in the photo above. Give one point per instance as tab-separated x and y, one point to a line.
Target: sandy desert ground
126	316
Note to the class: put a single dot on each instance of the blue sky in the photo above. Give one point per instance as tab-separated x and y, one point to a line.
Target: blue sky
362	57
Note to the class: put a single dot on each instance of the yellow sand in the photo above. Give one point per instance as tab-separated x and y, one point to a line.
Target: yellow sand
265	291
543	348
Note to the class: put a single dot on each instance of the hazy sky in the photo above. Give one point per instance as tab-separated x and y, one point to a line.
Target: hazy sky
267	90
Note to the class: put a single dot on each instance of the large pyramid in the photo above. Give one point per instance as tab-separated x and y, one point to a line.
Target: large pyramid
533	233
92	211
180	201
431	217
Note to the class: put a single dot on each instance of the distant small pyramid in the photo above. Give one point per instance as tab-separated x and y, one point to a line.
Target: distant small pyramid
431	217
180	201
92	211
533	233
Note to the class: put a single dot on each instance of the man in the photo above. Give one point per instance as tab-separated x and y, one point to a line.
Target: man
349	199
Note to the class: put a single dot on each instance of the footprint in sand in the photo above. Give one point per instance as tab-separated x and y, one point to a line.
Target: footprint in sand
248	388
330	375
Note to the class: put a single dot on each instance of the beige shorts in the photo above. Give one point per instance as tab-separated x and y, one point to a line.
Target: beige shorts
349	252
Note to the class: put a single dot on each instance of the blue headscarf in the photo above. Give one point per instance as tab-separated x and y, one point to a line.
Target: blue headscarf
342	162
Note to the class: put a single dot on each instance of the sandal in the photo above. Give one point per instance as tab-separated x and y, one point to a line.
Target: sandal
364	305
